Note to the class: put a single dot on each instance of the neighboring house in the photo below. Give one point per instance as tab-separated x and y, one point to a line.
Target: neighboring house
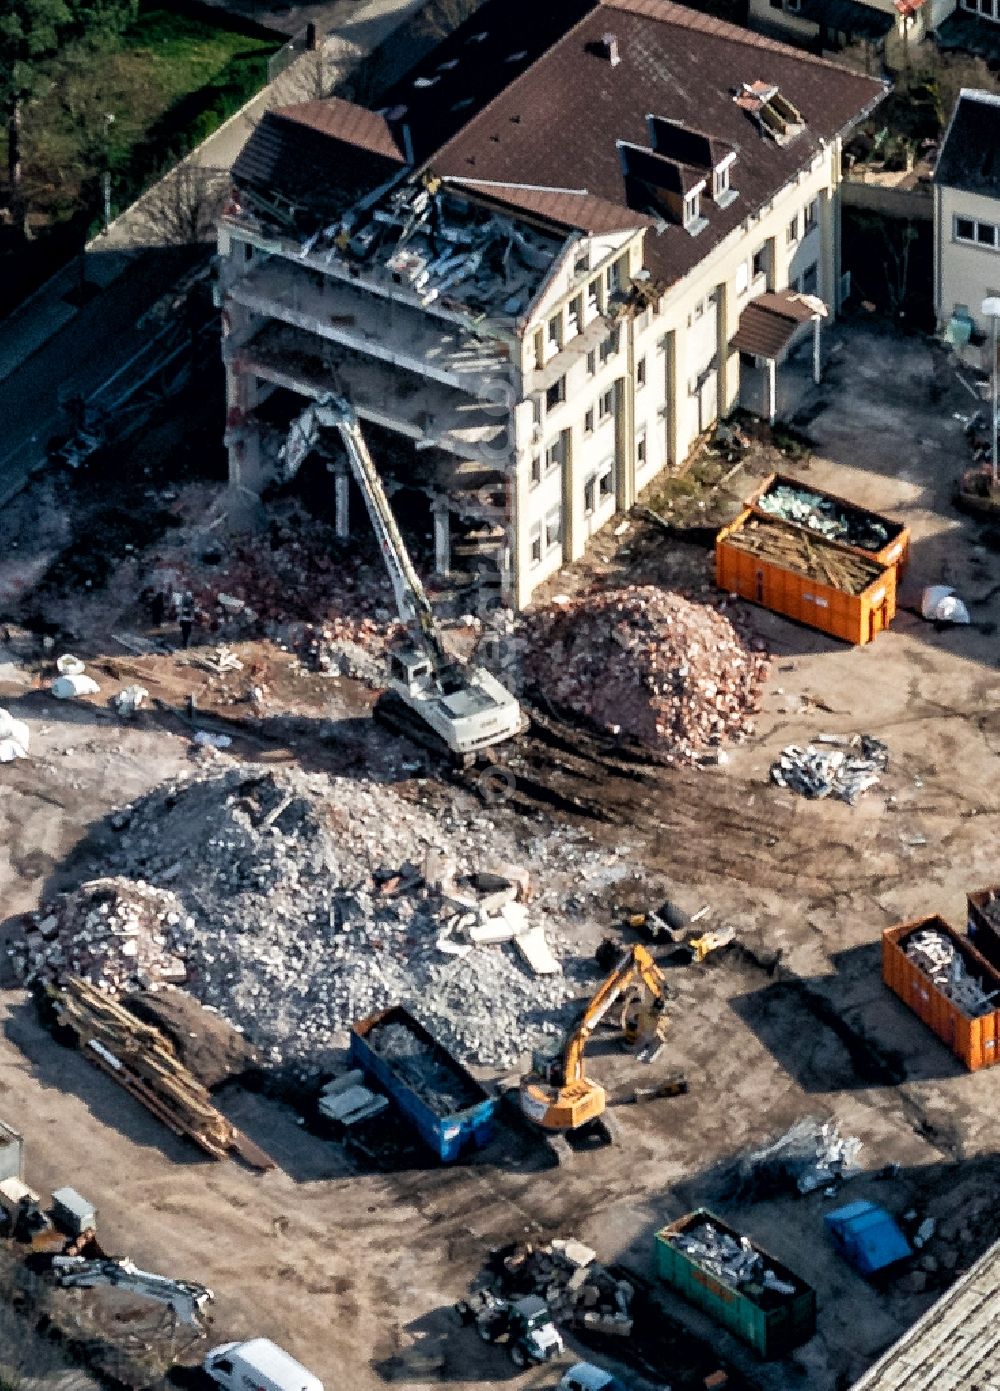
967	216
542	268
830	25
972	26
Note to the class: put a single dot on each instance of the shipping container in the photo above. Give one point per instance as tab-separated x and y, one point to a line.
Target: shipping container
894	551
983	923
449	1110
768	580
975	1041
770	1321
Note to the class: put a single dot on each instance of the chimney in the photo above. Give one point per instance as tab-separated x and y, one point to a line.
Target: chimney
610	42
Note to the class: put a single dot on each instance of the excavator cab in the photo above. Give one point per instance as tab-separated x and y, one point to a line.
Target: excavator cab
410	669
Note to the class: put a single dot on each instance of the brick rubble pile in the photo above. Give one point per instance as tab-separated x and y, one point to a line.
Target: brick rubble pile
298	903
571	1280
116	933
648	663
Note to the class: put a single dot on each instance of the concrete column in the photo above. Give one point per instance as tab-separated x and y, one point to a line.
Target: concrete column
817	351
572	538
442	538
625	439
671	397
341	501
246	469
728	379
772	390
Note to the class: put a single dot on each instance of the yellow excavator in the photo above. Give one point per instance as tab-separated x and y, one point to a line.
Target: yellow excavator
557	1095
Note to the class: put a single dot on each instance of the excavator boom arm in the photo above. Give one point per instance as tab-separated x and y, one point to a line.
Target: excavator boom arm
636	964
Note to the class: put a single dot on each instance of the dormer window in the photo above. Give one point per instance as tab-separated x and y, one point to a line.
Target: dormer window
720	183
692	208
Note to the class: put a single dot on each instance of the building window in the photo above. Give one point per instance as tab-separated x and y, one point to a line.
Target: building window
640	372
575	317
554	332
594	297
582	264
811	217
555	454
588	422
617	275
970	229
640	449
591	363
759	266
553	528
610	346
720	183
692	208
599	487
536	470
539	348
535	543
536	410
792	231
810	279
556	394
741	281
606	405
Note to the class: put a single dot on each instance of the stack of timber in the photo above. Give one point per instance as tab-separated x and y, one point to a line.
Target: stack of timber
792	571
143	1061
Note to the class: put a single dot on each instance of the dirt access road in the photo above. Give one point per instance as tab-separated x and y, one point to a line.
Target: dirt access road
360	1275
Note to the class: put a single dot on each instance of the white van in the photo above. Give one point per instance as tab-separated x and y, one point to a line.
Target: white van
258	1365
586	1377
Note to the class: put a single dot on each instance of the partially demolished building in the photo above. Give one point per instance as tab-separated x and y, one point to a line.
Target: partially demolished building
542	265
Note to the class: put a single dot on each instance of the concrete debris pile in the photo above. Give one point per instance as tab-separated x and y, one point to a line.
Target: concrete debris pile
300	577
733	1261
811	1154
571	1280
844	773
304	903
663	669
827	516
116	933
939	958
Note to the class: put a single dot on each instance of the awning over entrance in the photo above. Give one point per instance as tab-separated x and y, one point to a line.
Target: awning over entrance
769	322
851	17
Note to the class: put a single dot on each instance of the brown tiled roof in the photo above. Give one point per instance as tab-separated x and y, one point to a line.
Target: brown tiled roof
768	323
562	119
572	208
310	165
356	125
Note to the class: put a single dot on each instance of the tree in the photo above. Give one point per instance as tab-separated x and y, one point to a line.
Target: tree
33	33
182	209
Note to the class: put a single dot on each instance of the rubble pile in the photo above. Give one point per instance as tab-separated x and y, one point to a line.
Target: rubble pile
568	1276
661	668
937	956
117	933
827	516
299	903
342	607
733	1261
843	772
811	1154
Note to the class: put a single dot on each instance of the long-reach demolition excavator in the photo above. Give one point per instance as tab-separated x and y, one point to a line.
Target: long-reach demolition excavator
557	1095
464	706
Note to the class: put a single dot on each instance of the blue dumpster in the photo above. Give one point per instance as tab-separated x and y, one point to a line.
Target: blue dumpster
867	1236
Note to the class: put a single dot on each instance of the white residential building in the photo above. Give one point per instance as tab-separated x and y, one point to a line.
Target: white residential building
561	249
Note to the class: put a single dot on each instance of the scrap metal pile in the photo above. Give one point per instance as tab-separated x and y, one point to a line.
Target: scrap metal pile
298	903
651	664
571	1280
733	1261
939	958
814	557
810	1154
827	516
425	1070
831	771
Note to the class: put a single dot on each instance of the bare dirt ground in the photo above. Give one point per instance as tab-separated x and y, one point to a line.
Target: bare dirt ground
359	1279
